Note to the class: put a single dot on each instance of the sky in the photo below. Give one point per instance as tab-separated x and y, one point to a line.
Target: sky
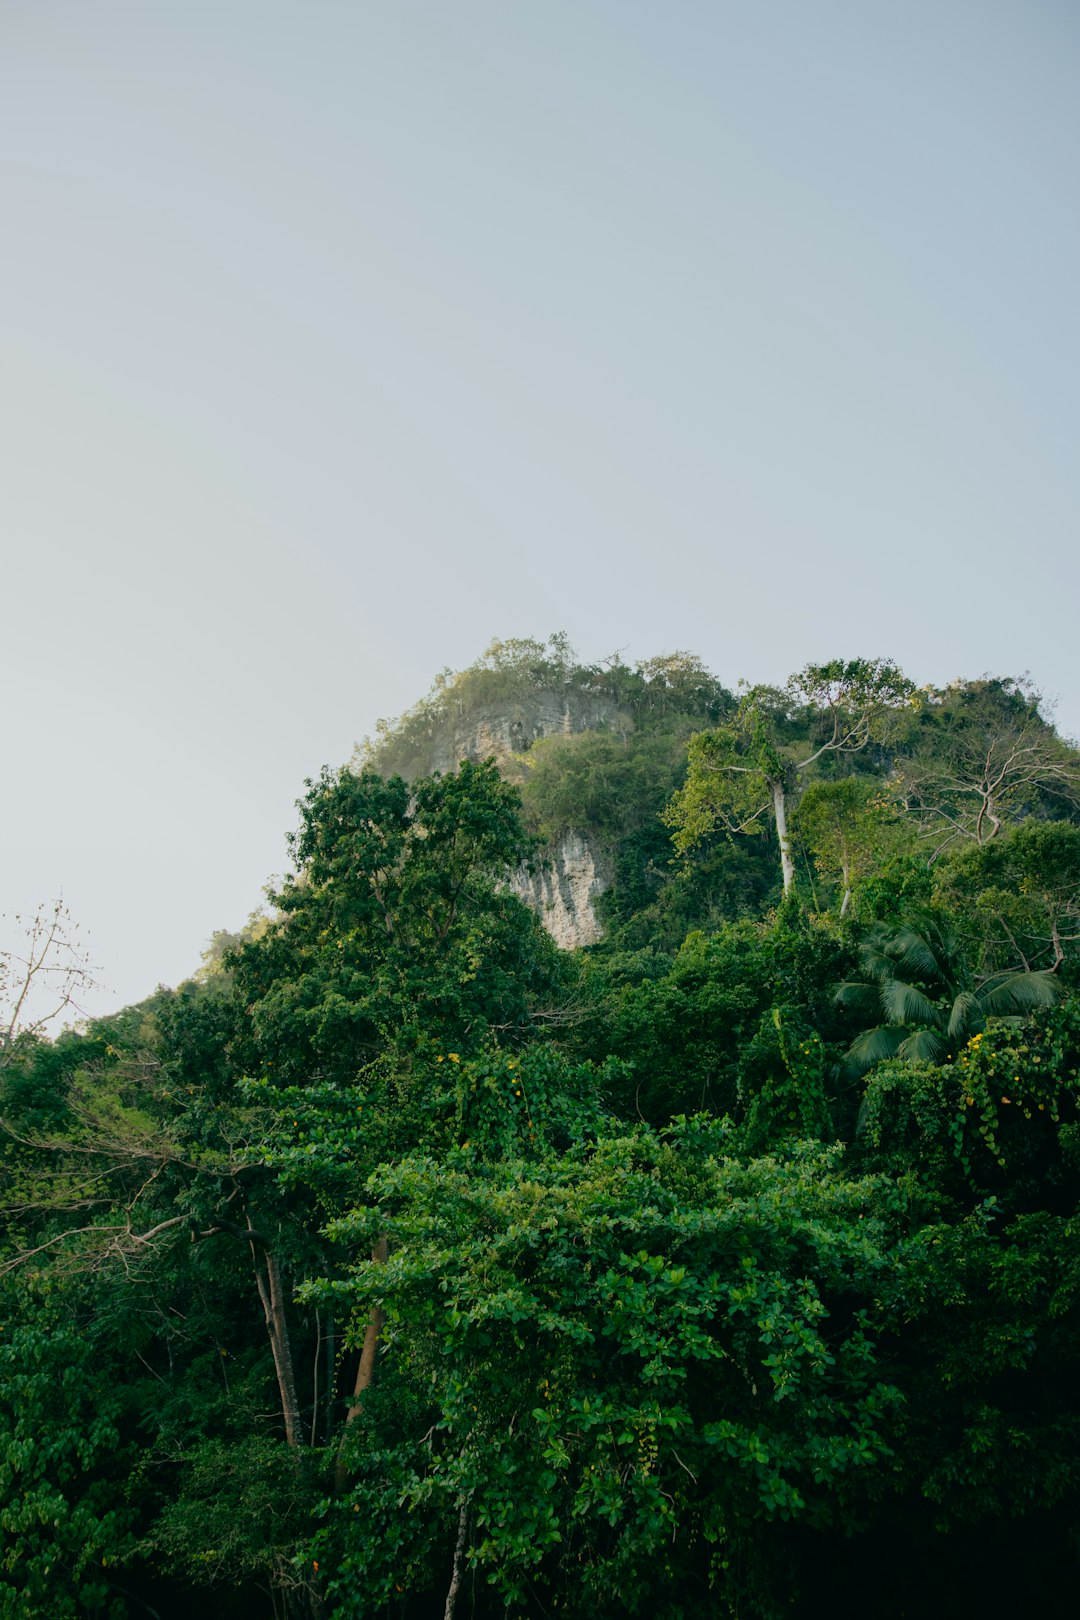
337	339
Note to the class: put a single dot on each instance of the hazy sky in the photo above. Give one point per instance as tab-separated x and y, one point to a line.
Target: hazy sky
336	339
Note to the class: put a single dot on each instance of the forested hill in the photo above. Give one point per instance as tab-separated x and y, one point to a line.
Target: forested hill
602	749
596	749
403	1264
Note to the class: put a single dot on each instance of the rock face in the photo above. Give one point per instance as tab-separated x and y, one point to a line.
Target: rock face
512	729
574	874
564	891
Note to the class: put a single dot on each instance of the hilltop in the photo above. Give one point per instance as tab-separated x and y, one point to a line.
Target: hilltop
596	749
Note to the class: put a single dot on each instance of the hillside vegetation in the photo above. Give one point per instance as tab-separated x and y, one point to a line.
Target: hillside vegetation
400	1264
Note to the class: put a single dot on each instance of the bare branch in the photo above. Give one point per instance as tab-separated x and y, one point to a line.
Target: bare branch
44	978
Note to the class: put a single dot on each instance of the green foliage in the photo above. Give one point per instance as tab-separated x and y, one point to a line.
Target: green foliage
998	1122
673	687
742	774
239	1510
783	1082
507	672
655	903
686	1027
394	933
854	701
852	828
984	1314
613	790
903	884
1021	894
35	1086
600	783
398	1245
66	1525
984	756
917	980
373	1552
510	675
732	771
635	1367
1017	1107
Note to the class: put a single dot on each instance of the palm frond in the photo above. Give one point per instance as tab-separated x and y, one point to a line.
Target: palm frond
874	962
1019	993
965	1013
912	952
872	1046
924	1046
906	1004
858	997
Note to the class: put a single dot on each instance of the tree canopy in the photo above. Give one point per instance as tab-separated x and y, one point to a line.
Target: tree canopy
399	1264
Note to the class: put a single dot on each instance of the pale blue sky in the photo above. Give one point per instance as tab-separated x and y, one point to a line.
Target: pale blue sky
336	339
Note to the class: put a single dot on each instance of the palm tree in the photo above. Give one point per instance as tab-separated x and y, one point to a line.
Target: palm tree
924	1000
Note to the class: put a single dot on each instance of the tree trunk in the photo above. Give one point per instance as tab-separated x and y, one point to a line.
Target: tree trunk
364	1374
328	1422
846	901
277	1326
986	815
787	865
459	1552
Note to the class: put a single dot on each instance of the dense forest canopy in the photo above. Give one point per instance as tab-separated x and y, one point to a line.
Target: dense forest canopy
401	1264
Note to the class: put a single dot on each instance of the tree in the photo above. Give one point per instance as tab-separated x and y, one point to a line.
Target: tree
148	1242
752	767
1019	894
687	1030
919	985
643	1359
850	827
985	756
396	930
43	979
395	938
167	1163
66	1519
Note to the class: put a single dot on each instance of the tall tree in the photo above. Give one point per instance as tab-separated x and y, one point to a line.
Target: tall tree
396	929
754	766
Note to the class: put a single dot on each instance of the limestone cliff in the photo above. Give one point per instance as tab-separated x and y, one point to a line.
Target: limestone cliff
439	737
564	889
574	872
507	730
599	798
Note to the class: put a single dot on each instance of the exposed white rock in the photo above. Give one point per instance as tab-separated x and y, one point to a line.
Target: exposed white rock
574	873
510	729
563	891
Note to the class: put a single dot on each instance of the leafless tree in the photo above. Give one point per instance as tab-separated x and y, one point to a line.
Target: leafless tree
46	975
987	757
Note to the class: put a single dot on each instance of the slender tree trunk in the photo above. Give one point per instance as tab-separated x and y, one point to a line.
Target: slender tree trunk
787	865
459	1553
328	1420
364	1374
268	1280
846	901
315	1379
283	1347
